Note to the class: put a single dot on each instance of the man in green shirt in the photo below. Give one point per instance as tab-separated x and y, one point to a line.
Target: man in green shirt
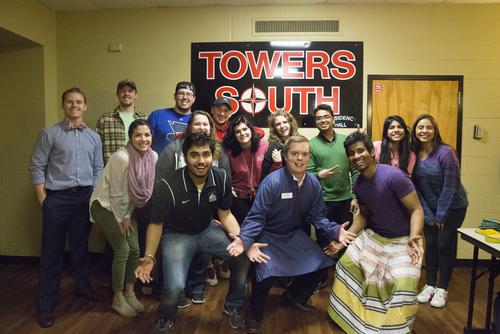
330	165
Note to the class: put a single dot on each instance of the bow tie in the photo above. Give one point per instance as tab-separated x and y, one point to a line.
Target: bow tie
72	126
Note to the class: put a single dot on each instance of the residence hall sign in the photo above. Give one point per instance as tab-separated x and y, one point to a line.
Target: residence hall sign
259	78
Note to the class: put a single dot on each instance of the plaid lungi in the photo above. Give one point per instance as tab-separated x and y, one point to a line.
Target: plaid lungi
375	286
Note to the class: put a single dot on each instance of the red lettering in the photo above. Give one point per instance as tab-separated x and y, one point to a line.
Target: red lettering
263	63
290	66
321	65
303	94
272	99
332	100
242	65
210	56
349	70
254	101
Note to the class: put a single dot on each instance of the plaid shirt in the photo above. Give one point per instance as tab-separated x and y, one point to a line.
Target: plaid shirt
112	131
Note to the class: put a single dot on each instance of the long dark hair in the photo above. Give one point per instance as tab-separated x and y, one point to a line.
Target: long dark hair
436	141
404	145
230	141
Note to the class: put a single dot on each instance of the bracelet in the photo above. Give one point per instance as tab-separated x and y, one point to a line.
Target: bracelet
152	257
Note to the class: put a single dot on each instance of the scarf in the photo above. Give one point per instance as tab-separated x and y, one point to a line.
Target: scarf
141	175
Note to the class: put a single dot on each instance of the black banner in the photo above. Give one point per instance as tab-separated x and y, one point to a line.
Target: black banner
261	77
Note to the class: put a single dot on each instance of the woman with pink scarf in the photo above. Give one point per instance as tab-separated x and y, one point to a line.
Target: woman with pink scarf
126	184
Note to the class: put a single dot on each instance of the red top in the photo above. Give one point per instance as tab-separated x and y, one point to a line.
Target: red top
246	169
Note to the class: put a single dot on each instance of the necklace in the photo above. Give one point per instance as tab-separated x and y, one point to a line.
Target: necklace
251	189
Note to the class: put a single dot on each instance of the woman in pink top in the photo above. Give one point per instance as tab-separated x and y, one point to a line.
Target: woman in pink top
245	150
394	149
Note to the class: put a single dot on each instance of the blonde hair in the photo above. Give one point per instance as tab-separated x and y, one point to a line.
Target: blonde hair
273	135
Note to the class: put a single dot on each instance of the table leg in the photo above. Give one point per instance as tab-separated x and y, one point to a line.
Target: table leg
472	287
491	285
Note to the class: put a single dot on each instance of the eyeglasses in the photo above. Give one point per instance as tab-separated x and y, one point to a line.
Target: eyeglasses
185	94
324	117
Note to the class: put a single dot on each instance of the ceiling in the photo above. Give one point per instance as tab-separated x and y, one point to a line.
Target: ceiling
81	5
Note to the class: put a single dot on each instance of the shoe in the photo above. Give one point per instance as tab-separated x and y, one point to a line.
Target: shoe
426	294
90	296
222	269
163	325
236	320
182	301
321	285
252	325
439	298
46	319
123	308
134	302
306	308
211	276
198	299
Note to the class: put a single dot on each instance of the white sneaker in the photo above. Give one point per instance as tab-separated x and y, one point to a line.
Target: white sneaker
211	276
439	298
426	294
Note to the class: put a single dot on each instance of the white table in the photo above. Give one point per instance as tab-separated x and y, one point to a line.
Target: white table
479	242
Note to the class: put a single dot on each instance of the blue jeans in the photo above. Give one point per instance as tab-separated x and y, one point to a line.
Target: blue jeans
197	274
178	250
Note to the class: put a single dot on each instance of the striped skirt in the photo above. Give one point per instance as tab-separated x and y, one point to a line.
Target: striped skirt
375	286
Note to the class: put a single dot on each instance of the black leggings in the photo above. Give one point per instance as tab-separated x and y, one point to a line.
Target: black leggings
240	208
301	289
440	249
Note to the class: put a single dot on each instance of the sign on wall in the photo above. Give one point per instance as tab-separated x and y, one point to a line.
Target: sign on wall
260	78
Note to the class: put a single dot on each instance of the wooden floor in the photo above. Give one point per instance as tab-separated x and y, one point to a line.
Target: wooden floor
18	313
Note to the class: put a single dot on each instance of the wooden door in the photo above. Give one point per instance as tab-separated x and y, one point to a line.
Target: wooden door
410	96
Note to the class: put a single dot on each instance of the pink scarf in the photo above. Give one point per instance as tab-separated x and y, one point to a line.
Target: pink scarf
141	175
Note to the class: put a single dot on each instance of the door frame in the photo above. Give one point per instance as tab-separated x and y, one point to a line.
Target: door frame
459	78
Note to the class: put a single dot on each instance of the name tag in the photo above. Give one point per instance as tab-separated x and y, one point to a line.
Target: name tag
286	195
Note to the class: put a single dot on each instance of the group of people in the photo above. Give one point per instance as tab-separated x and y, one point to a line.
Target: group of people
179	187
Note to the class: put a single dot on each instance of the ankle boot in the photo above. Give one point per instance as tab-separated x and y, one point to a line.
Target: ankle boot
134	302
123	308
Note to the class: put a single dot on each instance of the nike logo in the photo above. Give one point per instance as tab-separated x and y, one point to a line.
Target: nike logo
184	202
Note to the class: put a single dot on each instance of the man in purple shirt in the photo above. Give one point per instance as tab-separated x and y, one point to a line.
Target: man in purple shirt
376	279
65	165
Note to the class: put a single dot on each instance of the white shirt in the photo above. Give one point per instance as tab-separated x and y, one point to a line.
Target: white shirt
112	189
